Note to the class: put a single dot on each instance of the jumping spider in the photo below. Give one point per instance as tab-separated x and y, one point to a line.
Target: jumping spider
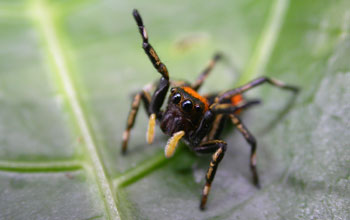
196	119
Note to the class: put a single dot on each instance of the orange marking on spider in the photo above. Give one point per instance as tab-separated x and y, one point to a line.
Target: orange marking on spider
193	93
195	119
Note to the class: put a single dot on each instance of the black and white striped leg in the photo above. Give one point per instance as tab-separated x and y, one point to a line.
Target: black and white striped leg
201	78
254	83
218	147
140	96
252	142
151	53
219	123
163	85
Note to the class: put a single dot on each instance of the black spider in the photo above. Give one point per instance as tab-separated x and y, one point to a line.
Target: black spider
197	120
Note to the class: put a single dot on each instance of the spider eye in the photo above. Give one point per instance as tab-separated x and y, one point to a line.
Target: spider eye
187	105
176	98
198	108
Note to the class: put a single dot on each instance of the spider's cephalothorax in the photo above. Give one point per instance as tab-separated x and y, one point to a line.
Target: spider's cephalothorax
184	111
197	120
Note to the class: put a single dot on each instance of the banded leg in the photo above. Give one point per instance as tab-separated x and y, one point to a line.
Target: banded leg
217	128
209	117
151	53
252	84
198	83
217	147
220	119
163	85
140	96
227	108
252	142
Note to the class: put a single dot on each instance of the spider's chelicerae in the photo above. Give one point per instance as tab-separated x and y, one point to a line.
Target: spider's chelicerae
196	119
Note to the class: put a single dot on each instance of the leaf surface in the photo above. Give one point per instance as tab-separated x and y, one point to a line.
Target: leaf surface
67	73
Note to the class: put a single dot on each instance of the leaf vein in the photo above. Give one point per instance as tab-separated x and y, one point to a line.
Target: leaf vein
43	16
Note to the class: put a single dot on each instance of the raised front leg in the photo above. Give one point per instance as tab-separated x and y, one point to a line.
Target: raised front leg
163	85
151	53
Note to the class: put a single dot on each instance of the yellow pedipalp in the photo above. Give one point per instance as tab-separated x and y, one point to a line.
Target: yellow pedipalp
150	129
172	143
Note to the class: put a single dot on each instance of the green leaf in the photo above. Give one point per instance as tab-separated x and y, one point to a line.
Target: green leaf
69	68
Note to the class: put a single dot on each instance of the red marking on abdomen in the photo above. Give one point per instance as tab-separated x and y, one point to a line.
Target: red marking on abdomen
236	100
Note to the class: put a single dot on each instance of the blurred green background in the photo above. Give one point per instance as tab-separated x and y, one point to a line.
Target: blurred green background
67	72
